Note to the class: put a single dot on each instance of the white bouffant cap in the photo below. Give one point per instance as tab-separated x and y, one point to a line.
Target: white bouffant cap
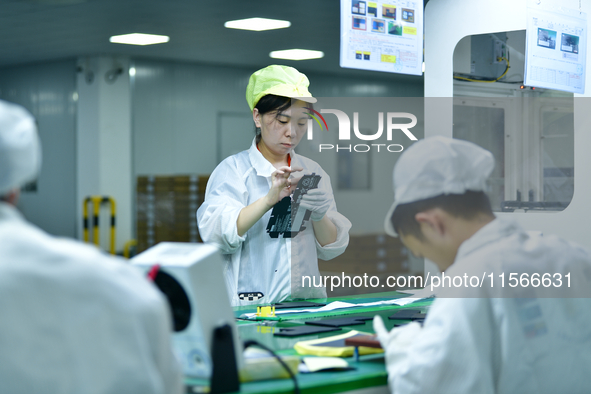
436	166
20	149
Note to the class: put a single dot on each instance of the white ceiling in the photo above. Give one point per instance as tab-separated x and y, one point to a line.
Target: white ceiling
41	30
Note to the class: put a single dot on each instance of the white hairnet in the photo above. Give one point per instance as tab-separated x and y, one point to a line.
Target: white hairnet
20	150
438	165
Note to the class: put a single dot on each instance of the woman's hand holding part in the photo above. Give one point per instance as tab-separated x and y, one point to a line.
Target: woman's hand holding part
318	201
282	184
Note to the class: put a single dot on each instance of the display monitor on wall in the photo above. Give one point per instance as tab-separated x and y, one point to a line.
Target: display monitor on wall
382	36
556	46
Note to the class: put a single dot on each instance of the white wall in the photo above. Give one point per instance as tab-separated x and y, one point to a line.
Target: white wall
48	92
104	142
175	108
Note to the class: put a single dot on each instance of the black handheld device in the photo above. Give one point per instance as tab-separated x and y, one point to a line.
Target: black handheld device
287	219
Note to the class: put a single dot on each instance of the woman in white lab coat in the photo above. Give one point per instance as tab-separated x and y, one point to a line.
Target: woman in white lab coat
243	189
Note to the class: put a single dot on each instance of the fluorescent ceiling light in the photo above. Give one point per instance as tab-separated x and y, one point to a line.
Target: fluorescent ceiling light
296	54
139	39
257	24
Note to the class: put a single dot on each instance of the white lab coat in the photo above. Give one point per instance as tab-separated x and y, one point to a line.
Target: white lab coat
471	343
256	262
76	321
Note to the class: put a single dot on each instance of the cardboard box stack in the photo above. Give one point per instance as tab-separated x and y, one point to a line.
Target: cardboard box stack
372	254
166	207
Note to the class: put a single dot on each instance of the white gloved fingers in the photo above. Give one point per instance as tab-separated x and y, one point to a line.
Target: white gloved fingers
316	192
318	202
318	212
313	199
316	195
380	330
401	336
304	204
397	349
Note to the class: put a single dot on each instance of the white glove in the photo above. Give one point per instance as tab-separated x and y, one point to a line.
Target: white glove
395	343
318	201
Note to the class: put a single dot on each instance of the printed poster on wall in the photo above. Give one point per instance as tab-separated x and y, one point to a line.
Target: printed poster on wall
382	35
556	47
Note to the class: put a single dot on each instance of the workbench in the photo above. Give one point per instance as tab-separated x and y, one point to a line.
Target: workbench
369	375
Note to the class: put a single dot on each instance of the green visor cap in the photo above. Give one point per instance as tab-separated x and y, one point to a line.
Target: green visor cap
278	80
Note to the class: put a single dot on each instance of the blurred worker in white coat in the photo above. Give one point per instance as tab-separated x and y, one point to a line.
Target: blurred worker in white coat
491	336
73	320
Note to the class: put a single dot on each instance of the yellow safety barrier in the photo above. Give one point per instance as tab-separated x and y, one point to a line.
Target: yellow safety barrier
96	205
127	247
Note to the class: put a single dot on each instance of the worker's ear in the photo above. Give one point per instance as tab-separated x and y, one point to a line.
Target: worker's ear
432	223
12	197
256	116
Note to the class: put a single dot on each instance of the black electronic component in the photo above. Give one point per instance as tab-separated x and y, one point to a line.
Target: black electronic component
405	314
286	218
224	375
303	330
419	317
341	322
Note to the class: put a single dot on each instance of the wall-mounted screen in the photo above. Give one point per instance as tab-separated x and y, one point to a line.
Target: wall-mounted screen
382	35
556	42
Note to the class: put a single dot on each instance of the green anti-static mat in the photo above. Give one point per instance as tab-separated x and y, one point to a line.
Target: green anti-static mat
349	311
355	299
368	372
346	311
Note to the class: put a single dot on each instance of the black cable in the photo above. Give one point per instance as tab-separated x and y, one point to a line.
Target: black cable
250	343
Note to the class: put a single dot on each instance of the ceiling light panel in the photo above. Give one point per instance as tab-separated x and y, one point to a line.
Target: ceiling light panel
139	39
257	24
297	54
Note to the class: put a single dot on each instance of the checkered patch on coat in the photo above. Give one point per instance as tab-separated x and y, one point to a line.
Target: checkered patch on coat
250	296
